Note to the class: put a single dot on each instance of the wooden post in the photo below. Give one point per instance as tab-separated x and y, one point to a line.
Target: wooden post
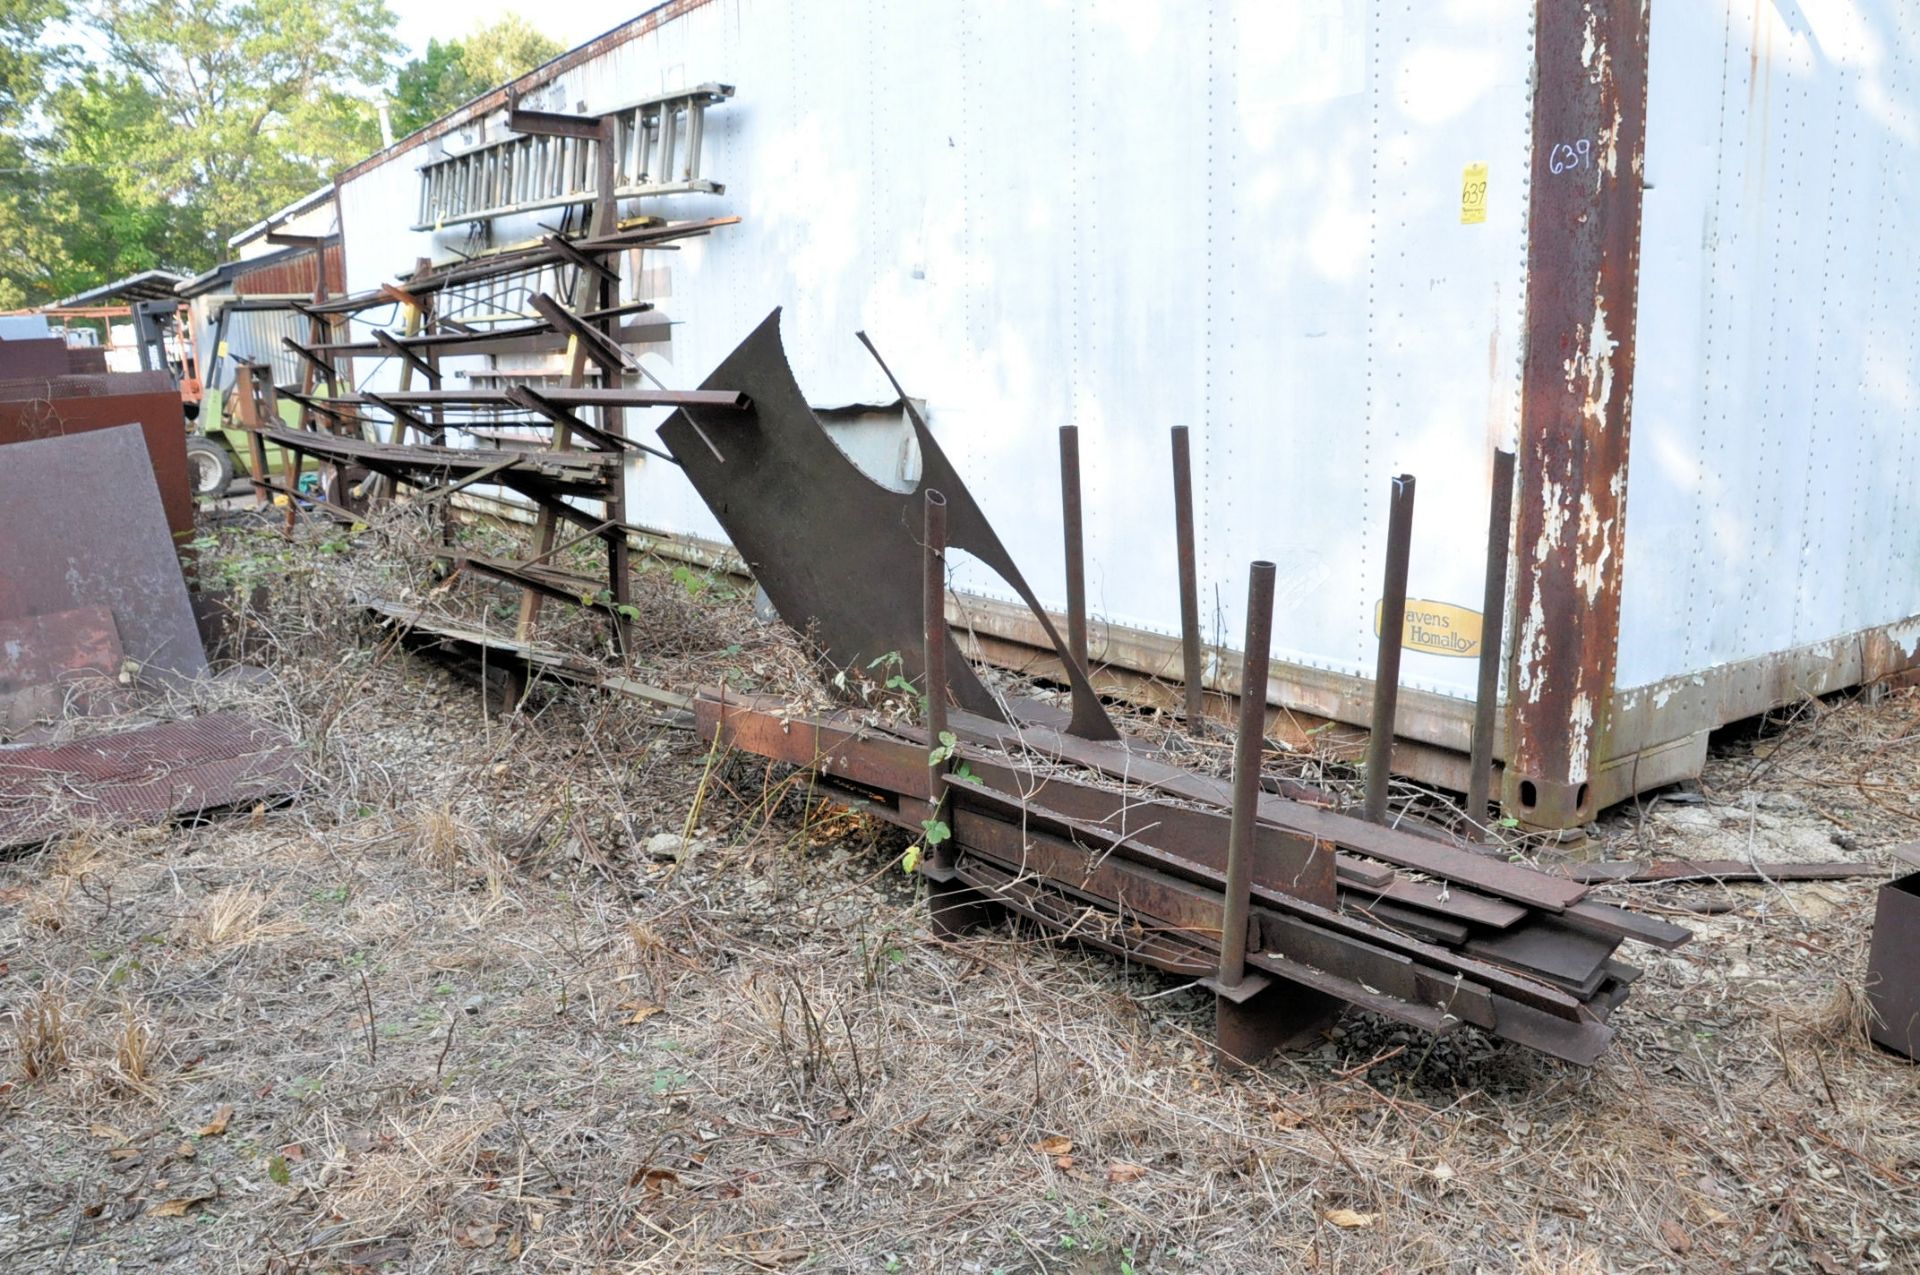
244	409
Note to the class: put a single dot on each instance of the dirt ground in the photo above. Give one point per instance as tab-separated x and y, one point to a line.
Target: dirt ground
564	992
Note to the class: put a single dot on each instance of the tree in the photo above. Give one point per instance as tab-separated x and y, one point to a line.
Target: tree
430	86
454	72
254	103
26	59
199	118
506	50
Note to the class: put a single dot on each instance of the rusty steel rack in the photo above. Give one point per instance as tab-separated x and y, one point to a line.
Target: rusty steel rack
1262	892
646	234
552	445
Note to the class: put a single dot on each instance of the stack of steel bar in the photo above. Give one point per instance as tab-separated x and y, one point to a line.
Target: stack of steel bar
1110	843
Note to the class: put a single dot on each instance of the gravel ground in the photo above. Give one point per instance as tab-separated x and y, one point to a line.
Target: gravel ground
563	992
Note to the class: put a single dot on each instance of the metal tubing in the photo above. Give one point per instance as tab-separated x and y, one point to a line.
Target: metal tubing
1189	579
1386	669
1247	749
1493	628
934	603
1075	548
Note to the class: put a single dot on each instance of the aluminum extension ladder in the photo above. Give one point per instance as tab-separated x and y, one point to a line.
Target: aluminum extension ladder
659	141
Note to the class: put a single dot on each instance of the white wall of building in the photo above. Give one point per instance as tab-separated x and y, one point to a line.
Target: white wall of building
1246	218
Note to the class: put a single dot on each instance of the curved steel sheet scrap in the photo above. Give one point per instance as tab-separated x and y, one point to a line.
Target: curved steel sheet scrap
837	553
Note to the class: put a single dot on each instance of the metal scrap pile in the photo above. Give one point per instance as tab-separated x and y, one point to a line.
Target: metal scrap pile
94	611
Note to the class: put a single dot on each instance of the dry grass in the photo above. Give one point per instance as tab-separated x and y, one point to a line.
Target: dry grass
42	1035
233	916
458	1020
135	1051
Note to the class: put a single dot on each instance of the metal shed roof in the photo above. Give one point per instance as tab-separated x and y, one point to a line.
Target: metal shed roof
148	285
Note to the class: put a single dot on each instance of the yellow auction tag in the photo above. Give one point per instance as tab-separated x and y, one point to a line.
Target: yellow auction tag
1437	628
1473	194
222	351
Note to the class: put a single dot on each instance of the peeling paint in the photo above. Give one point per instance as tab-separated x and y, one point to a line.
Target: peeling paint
1594	550
1599	363
1580	738
1532	650
1610	152
1552	517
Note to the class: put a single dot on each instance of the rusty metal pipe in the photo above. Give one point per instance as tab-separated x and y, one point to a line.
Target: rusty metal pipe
1493	627
934	604
1075	546
1248	747
1191	669
1386	669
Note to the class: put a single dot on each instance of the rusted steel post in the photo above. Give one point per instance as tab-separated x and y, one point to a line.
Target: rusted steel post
590	292
606	215
1075	547
1493	627
1191	668
934	606
1589	147
1386	668
1248	746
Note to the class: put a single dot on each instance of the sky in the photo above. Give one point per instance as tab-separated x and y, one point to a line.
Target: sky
572	22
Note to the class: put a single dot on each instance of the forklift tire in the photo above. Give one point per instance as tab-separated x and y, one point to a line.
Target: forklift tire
209	468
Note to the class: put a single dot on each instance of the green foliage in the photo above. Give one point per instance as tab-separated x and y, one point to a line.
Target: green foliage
949	745
507	49
897	681
690	580
25	54
454	72
187	123
431	86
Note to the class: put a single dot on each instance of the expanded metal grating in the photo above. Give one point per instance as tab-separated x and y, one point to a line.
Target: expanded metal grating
174	768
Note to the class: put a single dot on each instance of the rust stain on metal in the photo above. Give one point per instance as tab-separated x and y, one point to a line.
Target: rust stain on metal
82	524
174	768
1589	145
104	402
47	659
295	275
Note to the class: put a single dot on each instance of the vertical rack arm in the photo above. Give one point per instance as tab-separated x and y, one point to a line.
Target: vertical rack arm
1386	670
1493	628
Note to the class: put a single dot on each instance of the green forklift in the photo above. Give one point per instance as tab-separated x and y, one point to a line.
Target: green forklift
218	453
